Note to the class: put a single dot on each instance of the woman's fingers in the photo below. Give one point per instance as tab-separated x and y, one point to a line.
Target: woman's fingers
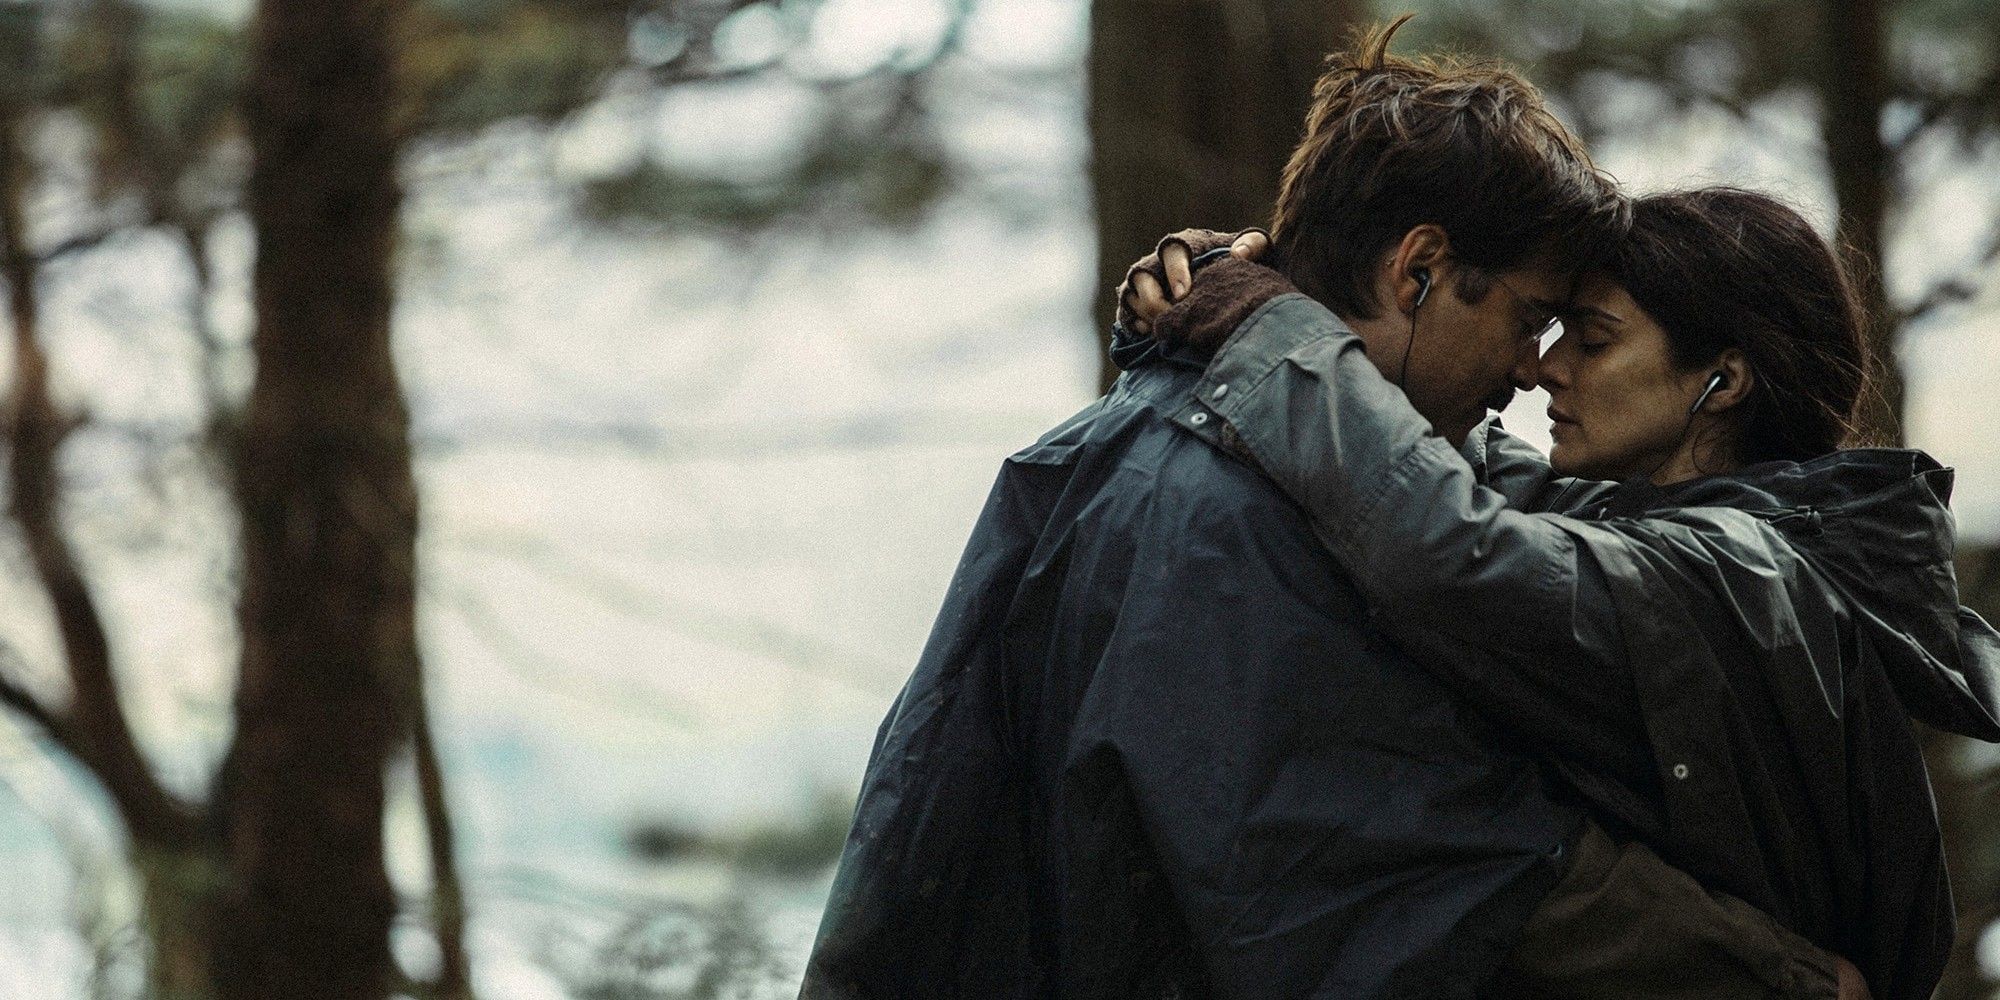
1125	314
1180	270
1128	313
1156	282
1147	299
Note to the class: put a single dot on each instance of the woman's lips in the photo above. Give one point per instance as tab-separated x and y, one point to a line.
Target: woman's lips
1560	422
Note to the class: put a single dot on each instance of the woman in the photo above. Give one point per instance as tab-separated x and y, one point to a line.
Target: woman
1722	652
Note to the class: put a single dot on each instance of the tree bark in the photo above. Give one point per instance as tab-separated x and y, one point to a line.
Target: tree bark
180	888
1194	107
1854	86
328	517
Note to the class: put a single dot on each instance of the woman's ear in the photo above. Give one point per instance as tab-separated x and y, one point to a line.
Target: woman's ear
1737	381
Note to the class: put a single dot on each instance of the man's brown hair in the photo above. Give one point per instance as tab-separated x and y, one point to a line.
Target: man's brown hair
1465	144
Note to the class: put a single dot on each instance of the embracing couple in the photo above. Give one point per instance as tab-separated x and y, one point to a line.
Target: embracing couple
1283	671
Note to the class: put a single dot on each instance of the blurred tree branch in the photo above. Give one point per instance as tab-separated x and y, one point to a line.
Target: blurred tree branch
27	706
95	721
1956	290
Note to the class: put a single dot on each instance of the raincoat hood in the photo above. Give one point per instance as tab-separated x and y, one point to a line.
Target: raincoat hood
1875	523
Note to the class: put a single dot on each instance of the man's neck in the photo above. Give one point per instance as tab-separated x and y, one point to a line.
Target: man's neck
1383	338
1386	338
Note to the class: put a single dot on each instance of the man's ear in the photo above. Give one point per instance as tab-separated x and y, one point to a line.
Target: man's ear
1738	380
1423	250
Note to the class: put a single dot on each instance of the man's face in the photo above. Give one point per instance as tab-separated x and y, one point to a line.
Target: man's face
1470	355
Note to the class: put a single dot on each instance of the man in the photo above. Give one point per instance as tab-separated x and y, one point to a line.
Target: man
1154	747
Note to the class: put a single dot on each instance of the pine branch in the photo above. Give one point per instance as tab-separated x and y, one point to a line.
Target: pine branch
25	704
1961	288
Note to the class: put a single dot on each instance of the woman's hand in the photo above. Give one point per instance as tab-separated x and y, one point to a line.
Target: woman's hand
1163	277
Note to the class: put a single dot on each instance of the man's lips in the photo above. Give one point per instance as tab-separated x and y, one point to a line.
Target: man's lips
1560	417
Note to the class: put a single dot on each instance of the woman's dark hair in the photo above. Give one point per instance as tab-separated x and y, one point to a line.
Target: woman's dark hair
1468	145
1721	267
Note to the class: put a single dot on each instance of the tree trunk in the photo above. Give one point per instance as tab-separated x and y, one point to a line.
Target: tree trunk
180	889
328	517
1194	107
1853	88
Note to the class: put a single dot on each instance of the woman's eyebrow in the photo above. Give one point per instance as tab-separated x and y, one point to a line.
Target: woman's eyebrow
1592	314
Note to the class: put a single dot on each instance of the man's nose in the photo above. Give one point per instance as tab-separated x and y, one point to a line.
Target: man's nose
1527	370
1554	369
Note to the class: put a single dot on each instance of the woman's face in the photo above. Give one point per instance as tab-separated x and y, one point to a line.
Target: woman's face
1619	404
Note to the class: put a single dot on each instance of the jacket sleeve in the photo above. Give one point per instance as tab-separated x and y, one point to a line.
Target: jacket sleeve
1506	605
1521	474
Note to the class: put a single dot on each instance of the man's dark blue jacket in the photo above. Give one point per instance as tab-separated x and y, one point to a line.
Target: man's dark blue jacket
1154	748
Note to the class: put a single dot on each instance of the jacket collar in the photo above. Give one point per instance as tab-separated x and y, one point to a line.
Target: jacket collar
1130	350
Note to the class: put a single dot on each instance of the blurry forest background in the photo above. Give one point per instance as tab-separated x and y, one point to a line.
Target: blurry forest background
478	470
